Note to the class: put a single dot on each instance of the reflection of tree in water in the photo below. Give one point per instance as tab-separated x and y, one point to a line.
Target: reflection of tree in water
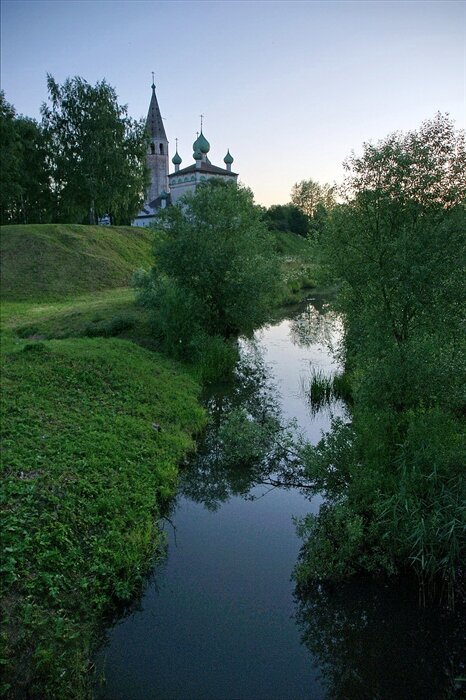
372	642
245	443
316	324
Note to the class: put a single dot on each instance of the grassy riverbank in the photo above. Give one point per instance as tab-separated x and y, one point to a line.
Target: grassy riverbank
298	262
92	432
93	428
94	423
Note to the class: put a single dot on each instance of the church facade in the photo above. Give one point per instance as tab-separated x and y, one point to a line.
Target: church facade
166	188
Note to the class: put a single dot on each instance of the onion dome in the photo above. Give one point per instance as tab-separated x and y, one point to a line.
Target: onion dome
197	155
201	144
228	158
176	160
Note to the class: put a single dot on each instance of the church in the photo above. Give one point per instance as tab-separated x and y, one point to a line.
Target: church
166	188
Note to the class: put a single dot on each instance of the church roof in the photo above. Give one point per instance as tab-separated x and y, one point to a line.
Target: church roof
205	168
154	123
157	202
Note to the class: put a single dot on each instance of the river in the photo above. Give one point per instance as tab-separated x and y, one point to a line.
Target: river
219	618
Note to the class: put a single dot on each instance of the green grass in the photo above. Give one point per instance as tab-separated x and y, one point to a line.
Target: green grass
291	244
107	313
298	263
52	261
92	431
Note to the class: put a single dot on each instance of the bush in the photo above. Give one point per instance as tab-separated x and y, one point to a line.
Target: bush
110	327
215	268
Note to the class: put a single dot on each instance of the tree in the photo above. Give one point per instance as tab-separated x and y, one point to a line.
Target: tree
215	270
10	160
397	246
308	194
97	153
24	180
36	203
287	217
397	242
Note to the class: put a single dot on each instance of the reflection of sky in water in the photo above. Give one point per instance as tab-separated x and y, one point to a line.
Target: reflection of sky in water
217	622
292	348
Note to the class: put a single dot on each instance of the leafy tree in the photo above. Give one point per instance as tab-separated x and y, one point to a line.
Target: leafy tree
215	270
398	241
308	194
396	491
36	203
288	218
24	181
97	153
10	160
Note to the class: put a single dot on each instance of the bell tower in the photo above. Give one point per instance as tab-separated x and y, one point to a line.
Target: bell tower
157	155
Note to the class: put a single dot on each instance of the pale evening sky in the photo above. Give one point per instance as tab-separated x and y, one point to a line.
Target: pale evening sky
291	88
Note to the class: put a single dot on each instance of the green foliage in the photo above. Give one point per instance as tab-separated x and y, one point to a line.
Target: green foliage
215	269
308	195
324	389
96	152
52	261
297	257
24	175
10	159
288	218
214	357
397	245
334	539
111	326
89	456
320	391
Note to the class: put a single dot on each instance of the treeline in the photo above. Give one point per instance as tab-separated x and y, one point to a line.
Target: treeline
306	214
393	478
85	159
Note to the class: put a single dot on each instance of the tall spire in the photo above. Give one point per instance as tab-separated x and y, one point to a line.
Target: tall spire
154	123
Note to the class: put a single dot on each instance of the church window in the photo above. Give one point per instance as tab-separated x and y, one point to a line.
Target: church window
152	148
161	149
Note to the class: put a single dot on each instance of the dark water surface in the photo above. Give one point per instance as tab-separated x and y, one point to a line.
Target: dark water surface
219	618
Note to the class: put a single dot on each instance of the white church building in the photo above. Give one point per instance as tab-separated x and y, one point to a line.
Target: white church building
166	188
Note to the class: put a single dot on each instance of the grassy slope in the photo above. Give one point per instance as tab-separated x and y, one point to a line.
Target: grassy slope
50	261
92	431
298	264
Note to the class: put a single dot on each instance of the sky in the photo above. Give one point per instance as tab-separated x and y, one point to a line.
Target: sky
291	88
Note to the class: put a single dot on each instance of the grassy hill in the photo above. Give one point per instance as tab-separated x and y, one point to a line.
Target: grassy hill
51	261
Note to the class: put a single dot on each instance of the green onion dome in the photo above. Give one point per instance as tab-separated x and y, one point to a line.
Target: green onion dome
176	160
228	158
197	155
201	144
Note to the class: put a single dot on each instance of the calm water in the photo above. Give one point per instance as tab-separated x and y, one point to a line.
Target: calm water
219	618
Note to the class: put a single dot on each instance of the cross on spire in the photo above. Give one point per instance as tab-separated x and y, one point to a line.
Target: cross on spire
153	80
176	141
202	117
